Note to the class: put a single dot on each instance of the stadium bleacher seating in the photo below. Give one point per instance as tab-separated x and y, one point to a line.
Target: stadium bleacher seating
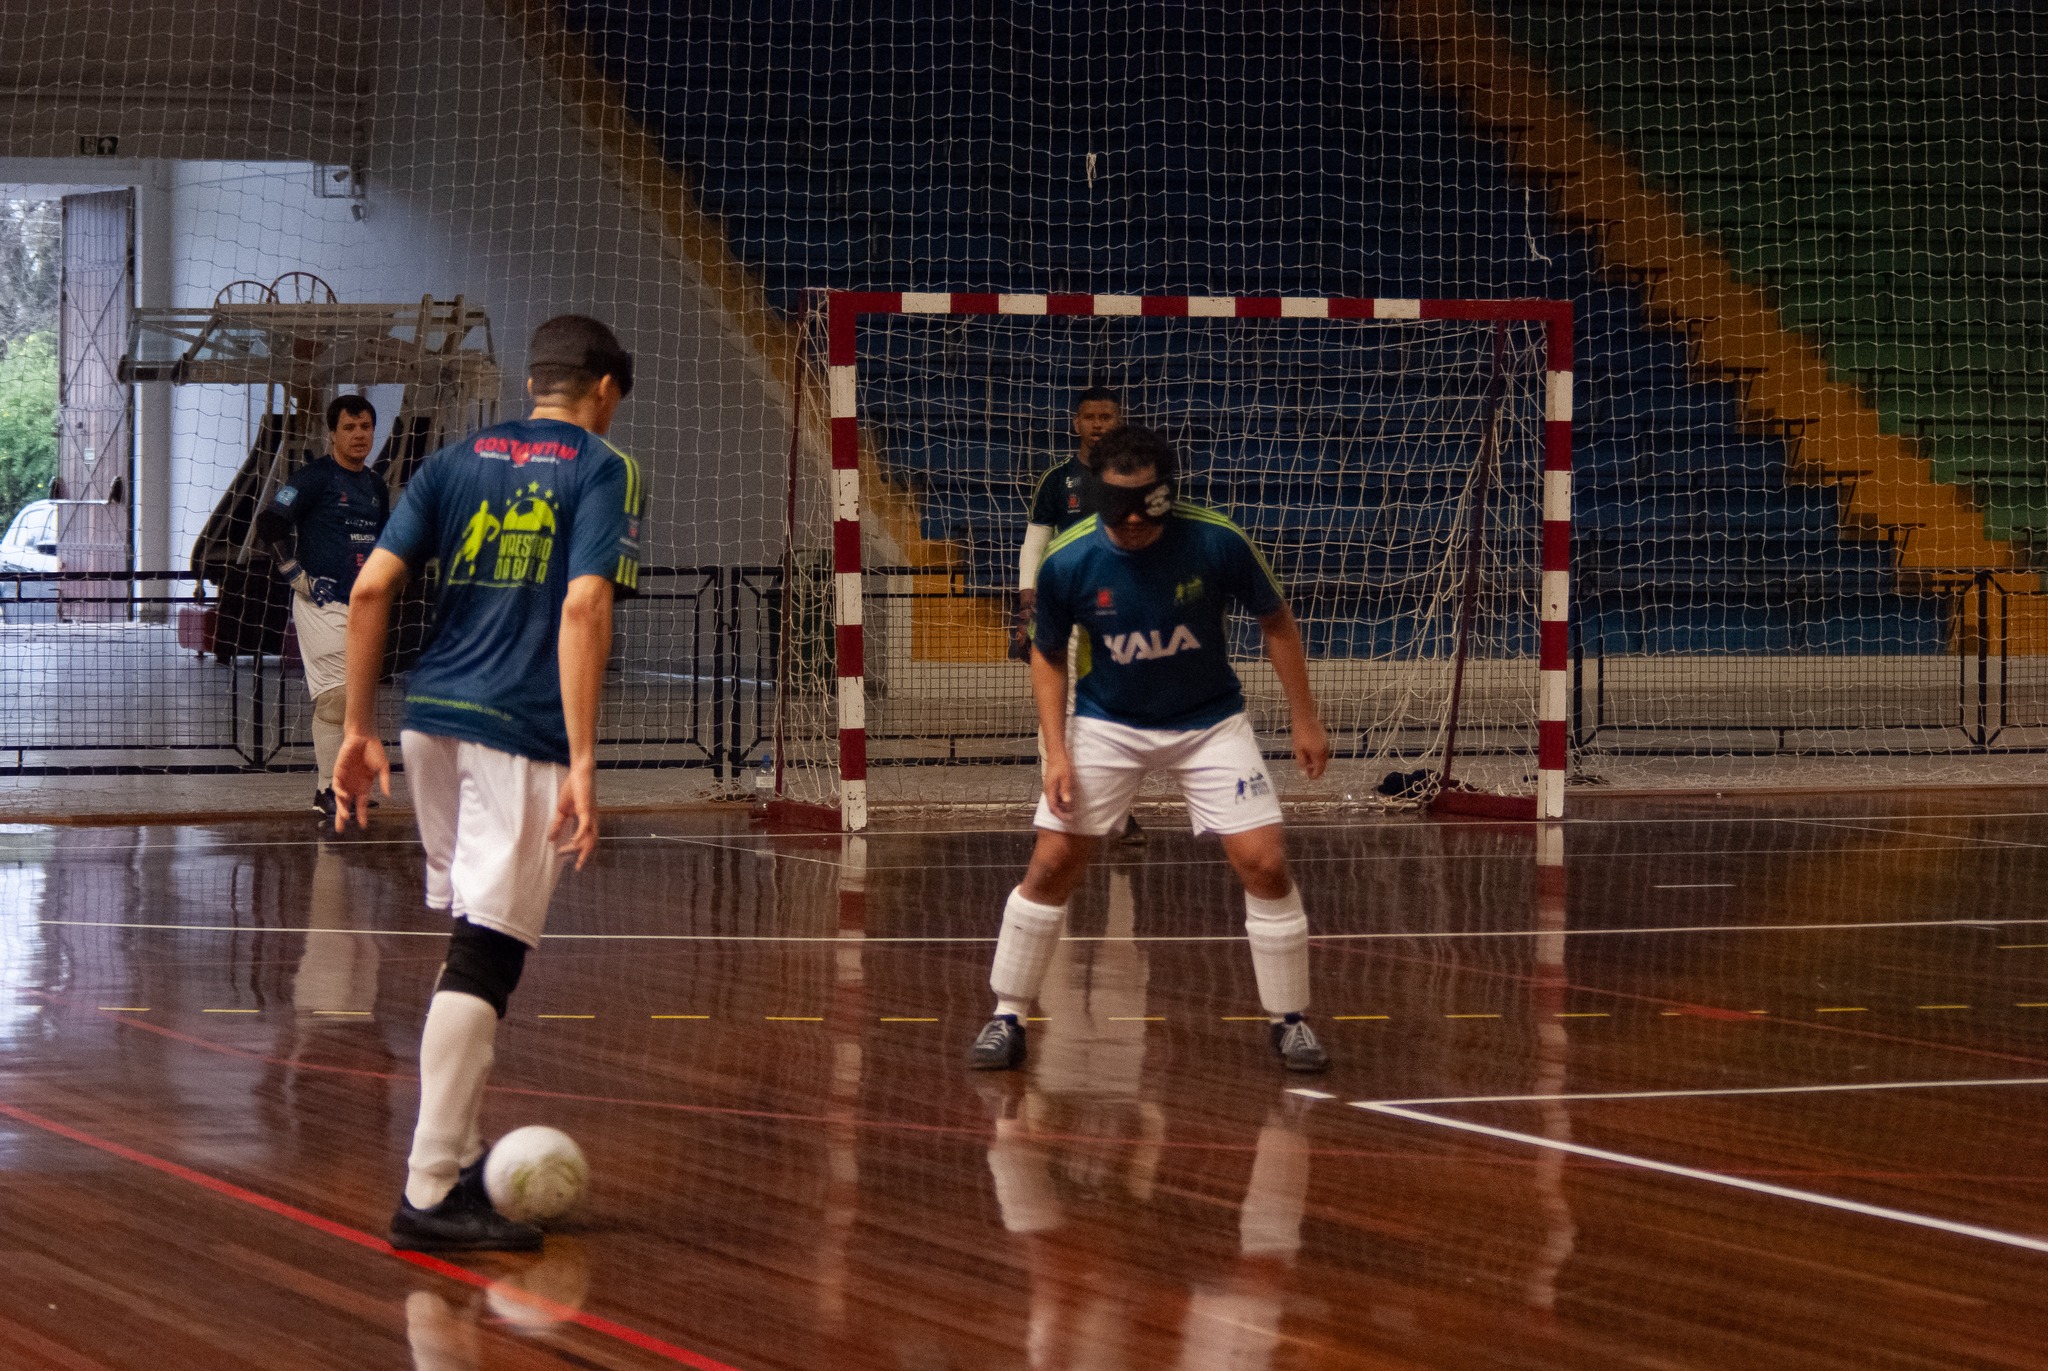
940	147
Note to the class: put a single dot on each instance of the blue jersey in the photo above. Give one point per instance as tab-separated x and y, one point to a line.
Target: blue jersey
514	513
1153	650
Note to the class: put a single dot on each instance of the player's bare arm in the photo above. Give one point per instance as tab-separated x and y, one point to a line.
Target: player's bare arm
1290	664
1049	694
362	759
585	646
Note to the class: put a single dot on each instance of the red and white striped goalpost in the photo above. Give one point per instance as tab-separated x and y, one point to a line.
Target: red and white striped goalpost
844	310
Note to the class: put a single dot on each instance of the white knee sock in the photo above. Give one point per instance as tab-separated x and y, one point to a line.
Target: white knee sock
1278	931
328	716
1031	931
456	1048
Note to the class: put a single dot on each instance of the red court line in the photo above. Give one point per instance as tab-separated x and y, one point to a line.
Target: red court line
561	1313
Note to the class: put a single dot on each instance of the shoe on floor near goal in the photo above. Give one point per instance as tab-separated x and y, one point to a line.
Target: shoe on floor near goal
999	1046
1132	836
462	1222
1295	1043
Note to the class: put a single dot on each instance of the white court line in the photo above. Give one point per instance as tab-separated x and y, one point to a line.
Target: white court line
1911	833
1713	1093
1090	938
1786	1192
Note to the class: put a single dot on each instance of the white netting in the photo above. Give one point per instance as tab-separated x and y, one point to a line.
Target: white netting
1363	457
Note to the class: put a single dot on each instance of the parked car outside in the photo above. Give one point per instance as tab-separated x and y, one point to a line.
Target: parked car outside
30	544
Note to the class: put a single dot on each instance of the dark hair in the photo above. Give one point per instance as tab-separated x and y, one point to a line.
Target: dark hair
348	404
1129	450
570	352
1097	393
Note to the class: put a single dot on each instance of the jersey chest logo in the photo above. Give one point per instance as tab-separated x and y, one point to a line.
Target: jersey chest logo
1126	648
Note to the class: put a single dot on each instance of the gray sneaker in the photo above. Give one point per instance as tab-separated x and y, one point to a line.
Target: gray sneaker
999	1046
1296	1044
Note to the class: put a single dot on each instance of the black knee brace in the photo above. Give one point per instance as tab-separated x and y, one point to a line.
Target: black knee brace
483	962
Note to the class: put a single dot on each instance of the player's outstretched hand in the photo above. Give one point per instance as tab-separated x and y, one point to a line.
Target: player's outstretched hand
1059	786
1311	747
577	805
360	761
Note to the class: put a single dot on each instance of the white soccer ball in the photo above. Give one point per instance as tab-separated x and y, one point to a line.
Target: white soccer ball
535	1173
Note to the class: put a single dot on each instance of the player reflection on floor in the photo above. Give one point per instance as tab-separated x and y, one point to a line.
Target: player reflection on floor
1085	1084
446	1335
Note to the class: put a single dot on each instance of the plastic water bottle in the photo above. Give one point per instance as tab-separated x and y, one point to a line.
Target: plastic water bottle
764	774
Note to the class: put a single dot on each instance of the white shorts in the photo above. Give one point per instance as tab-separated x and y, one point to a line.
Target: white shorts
484	817
323	643
1222	776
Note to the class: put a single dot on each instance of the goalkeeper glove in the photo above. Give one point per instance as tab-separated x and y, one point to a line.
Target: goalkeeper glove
323	590
292	574
1020	633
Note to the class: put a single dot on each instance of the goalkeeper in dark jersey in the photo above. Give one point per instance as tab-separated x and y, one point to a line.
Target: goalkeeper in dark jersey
320	527
1056	506
536	525
1147	580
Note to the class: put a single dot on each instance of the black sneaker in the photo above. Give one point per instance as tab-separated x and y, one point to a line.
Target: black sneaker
1132	836
1296	1044
462	1222
999	1046
323	802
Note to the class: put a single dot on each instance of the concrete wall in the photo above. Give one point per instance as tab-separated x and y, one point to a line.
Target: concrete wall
479	182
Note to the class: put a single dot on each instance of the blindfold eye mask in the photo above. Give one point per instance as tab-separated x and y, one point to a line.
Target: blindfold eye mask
1115	503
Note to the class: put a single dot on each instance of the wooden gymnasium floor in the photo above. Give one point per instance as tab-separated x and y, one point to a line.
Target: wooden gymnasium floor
1772	1097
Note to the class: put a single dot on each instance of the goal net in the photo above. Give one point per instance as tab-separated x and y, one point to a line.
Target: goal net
1388	456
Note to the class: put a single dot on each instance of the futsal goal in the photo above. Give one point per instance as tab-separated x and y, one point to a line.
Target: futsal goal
1404	464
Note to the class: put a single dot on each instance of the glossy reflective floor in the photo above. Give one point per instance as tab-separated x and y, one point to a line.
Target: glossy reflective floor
1755	1085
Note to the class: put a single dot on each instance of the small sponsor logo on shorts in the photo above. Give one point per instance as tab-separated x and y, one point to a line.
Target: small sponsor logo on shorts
1254	786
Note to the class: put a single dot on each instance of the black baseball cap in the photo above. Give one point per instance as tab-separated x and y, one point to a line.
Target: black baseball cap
578	343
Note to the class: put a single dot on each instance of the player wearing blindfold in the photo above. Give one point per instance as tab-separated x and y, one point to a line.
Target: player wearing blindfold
1148	580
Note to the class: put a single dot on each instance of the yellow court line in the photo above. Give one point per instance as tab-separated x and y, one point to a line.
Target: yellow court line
1255	1018
2030	1004
1584	1014
123	1009
1843	1009
565	1016
344	1013
1670	1013
2014	947
1040	1019
794	1018
230	1011
1941	1006
1756	1011
1353	1017
1137	1018
678	1016
1471	1016
887	1019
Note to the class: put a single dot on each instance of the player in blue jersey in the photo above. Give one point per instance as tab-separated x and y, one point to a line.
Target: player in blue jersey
320	527
1056	507
536	524
1148	580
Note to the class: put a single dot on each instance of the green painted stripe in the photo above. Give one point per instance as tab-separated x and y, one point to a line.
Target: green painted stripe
1204	514
1080	530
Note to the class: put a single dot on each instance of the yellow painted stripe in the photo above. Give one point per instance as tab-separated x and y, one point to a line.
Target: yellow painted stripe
123	1009
1247	1018
1587	1015
565	1016
1471	1016
678	1016
1941	1006
343	1013
230	1011
1355	1017
888	1019
794	1018
1843	1009
1137	1018
2031	1004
